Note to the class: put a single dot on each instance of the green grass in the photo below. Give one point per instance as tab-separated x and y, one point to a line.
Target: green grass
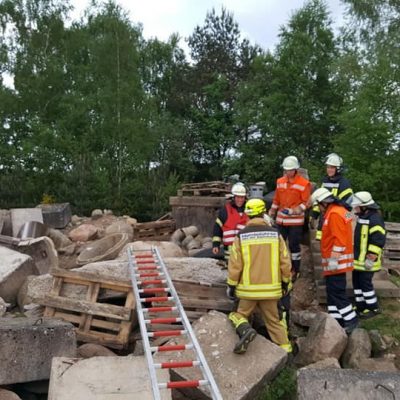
386	323
283	387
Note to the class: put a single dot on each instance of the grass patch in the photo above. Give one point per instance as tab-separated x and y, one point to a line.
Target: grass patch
386	323
283	387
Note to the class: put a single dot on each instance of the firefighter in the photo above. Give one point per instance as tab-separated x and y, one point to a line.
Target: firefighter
258	274
369	239
292	195
337	255
336	183
231	218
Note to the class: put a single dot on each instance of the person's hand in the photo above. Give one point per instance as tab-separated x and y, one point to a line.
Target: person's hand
215	250
286	287
370	261
272	213
230	292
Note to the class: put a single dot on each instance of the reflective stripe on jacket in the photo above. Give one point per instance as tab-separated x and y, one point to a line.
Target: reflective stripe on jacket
369	237
259	262
337	236
234	223
340	187
289	196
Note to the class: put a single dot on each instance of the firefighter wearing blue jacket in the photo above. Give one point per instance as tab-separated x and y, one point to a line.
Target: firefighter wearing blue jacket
369	240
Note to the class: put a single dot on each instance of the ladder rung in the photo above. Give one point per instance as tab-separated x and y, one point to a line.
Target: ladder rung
163	320
167	333
144	255
146	262
159	299
172	347
177	364
147	268
154	290
159	309
152	282
182	384
148	274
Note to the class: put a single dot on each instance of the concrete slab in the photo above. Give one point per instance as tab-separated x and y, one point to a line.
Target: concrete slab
103	378
56	215
28	345
14	268
346	384
21	215
237	376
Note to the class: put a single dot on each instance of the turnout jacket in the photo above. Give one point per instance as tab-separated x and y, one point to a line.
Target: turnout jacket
259	262
291	195
337	236
369	237
228	223
340	188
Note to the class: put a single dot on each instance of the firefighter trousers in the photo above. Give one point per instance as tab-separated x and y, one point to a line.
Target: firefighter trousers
293	235
270	314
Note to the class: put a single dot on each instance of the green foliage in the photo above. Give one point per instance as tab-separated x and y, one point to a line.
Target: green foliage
103	118
283	387
388	322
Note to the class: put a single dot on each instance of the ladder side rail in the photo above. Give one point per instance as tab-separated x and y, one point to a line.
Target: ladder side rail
143	331
186	323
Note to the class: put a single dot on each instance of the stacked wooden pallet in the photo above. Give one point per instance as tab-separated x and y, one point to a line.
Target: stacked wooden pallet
95	322
391	254
155	230
214	188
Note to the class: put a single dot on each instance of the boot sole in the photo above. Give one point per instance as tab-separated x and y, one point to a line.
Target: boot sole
243	344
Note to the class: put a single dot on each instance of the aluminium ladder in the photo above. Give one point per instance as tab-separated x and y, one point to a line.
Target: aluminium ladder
149	264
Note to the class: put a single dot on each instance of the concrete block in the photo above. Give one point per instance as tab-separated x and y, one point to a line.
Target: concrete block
56	215
103	378
346	384
28	345
14	268
237	376
21	215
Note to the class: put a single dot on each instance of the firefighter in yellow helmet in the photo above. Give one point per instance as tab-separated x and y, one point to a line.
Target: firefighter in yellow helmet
258	274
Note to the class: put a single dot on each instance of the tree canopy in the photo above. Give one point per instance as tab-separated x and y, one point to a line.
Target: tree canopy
101	117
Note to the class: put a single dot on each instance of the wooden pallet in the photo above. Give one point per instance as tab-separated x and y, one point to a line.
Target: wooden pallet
198	298
95	322
215	188
155	230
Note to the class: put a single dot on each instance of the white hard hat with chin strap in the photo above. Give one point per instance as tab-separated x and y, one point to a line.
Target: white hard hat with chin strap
363	199
322	195
334	160
238	189
290	162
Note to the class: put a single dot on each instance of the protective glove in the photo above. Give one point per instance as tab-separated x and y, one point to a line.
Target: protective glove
272	213
286	287
369	261
333	264
230	292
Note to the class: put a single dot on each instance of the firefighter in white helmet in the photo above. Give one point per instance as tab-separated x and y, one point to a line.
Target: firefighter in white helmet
231	218
335	182
337	256
291	198
258	275
369	240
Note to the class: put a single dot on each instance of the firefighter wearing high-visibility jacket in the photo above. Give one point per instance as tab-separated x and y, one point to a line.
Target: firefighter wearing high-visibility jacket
336	183
369	240
231	218
292	195
337	256
258	275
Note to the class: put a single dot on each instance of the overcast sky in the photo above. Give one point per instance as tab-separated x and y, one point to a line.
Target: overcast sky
259	20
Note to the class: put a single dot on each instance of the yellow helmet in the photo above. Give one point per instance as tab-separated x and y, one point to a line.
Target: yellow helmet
255	207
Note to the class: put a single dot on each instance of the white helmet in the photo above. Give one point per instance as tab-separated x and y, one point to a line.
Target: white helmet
334	160
322	195
238	189
290	162
362	199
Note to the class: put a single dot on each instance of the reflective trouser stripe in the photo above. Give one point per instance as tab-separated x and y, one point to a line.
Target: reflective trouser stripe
237	321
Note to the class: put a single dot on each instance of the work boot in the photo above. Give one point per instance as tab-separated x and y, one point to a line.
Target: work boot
367	314
246	334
